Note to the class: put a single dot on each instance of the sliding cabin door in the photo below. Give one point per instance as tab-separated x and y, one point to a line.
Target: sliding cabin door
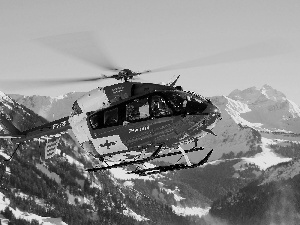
136	120
105	131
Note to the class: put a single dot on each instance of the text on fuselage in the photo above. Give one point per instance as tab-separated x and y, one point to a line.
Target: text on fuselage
139	129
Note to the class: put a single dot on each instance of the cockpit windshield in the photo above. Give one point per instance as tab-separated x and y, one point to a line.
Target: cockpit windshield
177	100
180	99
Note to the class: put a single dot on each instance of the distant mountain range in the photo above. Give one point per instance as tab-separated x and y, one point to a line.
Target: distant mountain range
256	149
263	109
268	109
59	191
51	108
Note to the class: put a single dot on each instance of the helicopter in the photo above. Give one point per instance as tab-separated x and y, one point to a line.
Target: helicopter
131	123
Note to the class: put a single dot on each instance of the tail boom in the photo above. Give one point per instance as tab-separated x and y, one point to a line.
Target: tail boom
49	129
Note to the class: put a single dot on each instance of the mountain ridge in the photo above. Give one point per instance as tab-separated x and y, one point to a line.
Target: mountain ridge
240	153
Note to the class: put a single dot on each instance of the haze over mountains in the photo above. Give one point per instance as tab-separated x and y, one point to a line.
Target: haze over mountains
255	153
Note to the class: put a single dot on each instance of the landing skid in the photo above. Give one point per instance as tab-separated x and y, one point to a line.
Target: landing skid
181	166
158	169
12	155
153	156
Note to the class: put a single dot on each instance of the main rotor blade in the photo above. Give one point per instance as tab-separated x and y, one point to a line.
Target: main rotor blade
254	51
25	84
81	45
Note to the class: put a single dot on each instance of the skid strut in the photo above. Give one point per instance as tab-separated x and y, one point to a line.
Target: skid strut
153	156
159	169
181	166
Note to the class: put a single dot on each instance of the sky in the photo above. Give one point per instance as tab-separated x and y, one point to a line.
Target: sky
234	44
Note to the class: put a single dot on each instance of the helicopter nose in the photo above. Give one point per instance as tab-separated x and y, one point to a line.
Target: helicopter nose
212	109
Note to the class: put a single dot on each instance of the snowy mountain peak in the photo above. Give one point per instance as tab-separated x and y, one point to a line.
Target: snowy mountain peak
294	109
272	93
254	95
268	107
5	101
248	96
50	108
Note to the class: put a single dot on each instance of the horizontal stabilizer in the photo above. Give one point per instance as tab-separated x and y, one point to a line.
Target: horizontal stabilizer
50	129
11	136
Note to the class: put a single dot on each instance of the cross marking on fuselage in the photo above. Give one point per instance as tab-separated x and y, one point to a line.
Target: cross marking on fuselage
108	144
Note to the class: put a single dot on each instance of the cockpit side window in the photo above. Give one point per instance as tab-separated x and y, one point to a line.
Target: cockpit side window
137	109
159	107
111	117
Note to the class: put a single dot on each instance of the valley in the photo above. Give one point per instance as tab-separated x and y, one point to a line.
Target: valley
254	162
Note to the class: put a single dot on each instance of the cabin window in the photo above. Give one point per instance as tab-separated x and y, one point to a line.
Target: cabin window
138	109
111	117
108	118
96	120
159	107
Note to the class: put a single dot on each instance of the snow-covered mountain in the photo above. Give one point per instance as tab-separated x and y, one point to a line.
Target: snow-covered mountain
271	199
248	116
283	171
252	120
268	108
264	108
51	108
59	191
259	129
234	134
